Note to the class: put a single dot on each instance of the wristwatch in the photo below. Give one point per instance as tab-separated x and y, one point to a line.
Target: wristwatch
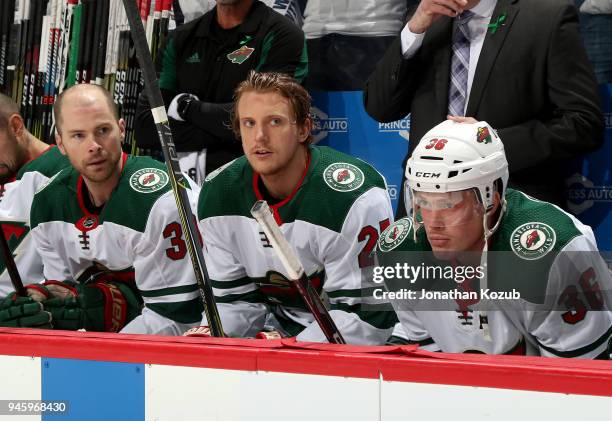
183	104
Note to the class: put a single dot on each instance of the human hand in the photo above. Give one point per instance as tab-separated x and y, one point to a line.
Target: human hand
178	107
429	11
268	335
50	289
201	331
461	119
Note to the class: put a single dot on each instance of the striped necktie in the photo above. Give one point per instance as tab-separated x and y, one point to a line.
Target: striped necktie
457	93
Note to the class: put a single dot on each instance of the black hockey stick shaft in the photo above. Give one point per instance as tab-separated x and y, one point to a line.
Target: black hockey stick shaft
261	212
11	267
5	25
179	184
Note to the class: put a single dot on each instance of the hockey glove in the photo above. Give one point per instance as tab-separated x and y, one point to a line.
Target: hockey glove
23	312
99	306
179	106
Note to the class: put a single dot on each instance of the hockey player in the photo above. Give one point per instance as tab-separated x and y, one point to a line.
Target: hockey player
537	286
25	164
330	206
107	222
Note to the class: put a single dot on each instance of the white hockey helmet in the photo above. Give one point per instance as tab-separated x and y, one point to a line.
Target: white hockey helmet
458	156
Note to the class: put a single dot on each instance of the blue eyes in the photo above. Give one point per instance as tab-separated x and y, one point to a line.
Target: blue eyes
274	122
103	131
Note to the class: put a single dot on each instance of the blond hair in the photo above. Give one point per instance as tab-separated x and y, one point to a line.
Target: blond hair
280	83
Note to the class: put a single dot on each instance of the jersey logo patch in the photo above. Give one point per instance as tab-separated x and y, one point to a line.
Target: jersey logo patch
148	180
394	235
85	224
14	233
343	177
532	240
278	289
195	58
483	135
240	55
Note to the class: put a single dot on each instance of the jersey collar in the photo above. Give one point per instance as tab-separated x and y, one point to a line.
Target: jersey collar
287	199
80	188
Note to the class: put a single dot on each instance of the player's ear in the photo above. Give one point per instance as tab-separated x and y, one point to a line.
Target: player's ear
59	142
121	123
496	203
305	129
15	123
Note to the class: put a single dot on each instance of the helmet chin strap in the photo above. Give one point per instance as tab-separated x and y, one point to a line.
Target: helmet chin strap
483	263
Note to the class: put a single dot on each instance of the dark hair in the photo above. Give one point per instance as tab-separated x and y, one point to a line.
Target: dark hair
282	84
59	102
8	107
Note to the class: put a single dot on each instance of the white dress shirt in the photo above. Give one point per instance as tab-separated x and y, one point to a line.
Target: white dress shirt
483	11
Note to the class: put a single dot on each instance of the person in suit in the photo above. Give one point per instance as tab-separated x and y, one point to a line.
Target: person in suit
518	64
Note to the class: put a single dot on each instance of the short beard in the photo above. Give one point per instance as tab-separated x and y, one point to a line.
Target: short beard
227	2
20	158
5	178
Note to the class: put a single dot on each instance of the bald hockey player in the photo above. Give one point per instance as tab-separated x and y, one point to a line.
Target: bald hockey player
108	230
526	277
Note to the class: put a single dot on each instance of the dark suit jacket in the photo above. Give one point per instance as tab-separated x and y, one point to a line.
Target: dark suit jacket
533	83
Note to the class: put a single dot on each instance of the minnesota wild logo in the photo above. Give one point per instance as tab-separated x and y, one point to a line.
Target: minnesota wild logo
87	223
343	177
194	58
394	234
278	289
148	180
15	233
240	55
483	135
532	240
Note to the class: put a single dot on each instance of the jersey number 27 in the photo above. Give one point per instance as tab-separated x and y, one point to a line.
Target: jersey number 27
369	234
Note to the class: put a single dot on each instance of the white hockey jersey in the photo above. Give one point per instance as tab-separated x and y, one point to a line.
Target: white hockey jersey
544	254
15	202
137	231
332	220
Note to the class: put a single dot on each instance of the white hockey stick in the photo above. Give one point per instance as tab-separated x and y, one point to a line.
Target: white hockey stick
261	212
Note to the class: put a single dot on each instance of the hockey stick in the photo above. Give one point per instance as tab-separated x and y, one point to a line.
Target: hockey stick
174	172
261	212
11	267
5	25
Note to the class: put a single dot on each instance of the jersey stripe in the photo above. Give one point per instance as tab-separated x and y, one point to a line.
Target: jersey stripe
183	289
580	351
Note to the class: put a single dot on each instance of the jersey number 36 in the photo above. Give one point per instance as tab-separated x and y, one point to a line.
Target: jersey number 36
577	308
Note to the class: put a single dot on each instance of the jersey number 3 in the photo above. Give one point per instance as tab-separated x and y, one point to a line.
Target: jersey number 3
174	232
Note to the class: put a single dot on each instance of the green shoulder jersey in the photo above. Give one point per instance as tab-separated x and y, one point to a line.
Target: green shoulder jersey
136	231
547	288
332	219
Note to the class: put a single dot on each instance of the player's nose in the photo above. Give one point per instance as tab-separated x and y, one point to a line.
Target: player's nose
93	145
261	135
